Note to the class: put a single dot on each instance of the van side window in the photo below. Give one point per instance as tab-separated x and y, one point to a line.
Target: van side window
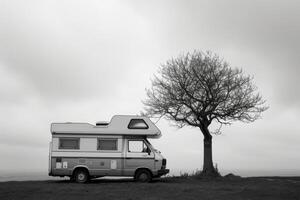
137	146
107	144
137	124
68	143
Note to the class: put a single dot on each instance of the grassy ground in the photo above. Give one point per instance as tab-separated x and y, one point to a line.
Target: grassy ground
166	188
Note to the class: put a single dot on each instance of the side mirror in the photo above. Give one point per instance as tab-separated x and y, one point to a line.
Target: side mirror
148	151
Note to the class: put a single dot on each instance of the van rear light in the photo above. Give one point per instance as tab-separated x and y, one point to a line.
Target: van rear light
163	164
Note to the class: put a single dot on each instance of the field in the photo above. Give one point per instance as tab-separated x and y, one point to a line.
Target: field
272	188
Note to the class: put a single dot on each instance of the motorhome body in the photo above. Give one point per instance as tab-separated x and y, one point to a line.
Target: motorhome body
118	148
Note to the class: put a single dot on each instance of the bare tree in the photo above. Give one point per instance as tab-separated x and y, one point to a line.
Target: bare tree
200	88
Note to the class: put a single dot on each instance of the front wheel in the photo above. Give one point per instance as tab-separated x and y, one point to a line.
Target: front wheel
143	176
81	176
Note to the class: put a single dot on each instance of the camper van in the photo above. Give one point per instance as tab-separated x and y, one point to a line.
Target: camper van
120	147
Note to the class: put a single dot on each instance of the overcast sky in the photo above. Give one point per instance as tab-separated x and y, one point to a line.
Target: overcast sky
89	60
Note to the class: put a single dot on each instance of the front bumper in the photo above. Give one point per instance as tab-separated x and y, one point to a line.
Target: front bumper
162	172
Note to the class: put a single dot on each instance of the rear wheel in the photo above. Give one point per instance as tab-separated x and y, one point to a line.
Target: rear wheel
81	176
143	176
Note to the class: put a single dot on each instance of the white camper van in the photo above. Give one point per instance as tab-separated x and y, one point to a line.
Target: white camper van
118	148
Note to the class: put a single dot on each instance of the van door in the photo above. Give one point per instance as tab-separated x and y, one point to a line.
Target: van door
138	155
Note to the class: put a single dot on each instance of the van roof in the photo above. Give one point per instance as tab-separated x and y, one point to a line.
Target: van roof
118	125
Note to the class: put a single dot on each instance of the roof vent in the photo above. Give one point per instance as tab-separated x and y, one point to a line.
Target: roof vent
102	123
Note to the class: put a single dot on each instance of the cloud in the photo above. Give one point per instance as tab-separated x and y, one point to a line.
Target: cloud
71	51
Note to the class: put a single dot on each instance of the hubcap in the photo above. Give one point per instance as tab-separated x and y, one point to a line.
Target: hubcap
81	177
143	177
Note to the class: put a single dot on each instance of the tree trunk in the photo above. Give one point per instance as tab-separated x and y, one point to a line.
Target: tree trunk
208	167
207	161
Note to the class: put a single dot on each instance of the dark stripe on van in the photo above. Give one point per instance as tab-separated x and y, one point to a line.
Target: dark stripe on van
102	157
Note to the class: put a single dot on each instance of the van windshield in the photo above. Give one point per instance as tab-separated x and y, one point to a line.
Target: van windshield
150	145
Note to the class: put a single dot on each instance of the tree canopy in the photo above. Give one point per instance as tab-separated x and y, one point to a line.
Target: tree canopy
196	89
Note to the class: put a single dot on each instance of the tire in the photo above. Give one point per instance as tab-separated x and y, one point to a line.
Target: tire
143	176
81	176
